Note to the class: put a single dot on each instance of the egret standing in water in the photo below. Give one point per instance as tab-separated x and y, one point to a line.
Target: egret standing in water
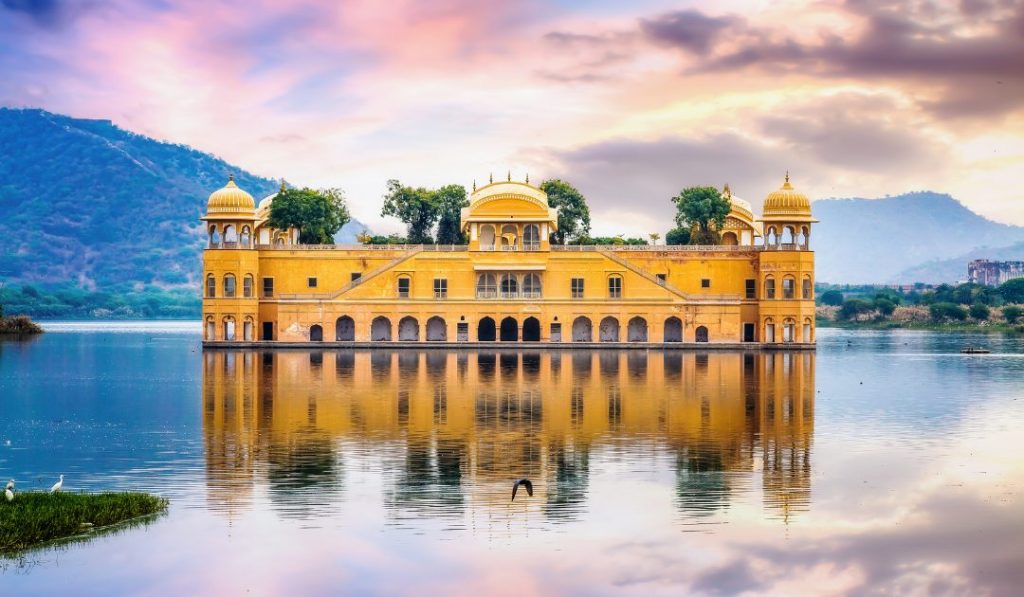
9	492
58	485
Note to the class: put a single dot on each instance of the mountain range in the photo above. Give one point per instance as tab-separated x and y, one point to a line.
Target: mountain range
89	205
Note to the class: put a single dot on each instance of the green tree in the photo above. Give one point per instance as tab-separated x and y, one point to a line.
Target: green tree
703	210
946	311
853	307
318	214
450	201
884	306
831	297
655	237
1012	313
1013	291
573	213
979	311
417	207
678	236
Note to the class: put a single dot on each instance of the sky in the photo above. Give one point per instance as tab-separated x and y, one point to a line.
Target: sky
629	101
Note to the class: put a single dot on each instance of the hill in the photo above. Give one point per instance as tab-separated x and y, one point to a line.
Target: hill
90	205
862	241
952	270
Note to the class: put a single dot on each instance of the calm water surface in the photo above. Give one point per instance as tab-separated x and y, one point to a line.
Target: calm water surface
885	462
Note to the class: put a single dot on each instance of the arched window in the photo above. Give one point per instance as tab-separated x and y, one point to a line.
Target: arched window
788	236
701	334
509	286
615	286
247	329
771	238
486	286
211	328
808	330
316	333
636	330
673	329
246	237
487	237
230	236
211	286
229	329
805	233
404	286
509	237
608	331
582	330
247	289
531	237
229	286
214	237
380	329
345	329
807	289
531	286
788	330
769	330
437	330
729	238
769	287
788	290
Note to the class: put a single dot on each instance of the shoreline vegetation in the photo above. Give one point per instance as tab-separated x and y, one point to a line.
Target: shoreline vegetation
35	519
944	308
19	325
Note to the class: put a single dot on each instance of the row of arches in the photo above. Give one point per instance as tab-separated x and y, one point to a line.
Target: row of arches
508	329
506	237
787	236
228	236
229	286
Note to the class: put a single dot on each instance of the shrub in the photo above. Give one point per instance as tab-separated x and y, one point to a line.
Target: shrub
884	306
833	298
979	311
1012	313
947	311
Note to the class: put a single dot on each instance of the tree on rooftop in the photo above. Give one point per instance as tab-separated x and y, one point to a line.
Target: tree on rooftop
573	213
450	200
318	214
417	207
703	210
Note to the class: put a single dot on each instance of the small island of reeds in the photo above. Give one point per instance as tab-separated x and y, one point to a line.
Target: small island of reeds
35	518
19	325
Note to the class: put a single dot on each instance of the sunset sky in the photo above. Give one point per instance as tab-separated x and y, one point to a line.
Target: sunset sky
630	101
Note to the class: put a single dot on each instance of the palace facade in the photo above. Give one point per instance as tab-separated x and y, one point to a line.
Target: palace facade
510	284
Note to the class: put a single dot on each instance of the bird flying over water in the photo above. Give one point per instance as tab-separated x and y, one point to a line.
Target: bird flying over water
524	482
58	485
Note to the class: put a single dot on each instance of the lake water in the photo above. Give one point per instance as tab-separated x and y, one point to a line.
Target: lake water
884	462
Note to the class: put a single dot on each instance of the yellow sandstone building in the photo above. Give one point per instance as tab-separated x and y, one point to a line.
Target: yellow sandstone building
509	284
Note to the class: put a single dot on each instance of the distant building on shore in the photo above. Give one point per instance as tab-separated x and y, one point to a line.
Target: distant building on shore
509	283
994	273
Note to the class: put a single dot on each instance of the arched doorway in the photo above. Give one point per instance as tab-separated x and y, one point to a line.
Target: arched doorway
636	331
485	330
531	330
345	329
380	329
229	329
701	334
582	330
729	238
609	330
673	330
316	333
408	329
509	330
437	331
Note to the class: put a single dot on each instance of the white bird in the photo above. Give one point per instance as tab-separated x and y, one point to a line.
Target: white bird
9	492
58	485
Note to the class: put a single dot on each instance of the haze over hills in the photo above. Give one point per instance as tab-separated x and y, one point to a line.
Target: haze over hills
861	241
87	203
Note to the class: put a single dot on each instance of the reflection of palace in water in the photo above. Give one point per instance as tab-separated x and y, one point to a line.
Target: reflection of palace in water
452	430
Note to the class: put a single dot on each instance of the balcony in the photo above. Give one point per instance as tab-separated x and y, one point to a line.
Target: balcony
508	294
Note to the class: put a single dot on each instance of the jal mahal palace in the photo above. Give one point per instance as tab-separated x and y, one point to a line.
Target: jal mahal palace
509	284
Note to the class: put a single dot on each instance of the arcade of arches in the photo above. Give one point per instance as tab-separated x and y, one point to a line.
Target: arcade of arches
509	283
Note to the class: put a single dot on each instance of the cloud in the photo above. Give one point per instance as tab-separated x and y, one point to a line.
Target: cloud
975	70
688	29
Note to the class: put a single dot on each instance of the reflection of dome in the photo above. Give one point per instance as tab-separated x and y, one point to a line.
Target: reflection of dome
741	209
230	200
787	203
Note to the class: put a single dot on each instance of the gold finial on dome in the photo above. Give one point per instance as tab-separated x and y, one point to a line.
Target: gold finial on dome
510	176
726	191
490	178
527	178
474	185
231	177
786	184
230	200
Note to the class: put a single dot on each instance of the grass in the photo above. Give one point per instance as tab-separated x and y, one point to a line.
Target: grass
35	518
20	325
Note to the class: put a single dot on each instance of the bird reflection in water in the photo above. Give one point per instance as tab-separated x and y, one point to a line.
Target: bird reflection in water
447	431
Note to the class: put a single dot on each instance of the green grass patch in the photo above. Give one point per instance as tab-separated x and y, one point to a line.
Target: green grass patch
35	518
